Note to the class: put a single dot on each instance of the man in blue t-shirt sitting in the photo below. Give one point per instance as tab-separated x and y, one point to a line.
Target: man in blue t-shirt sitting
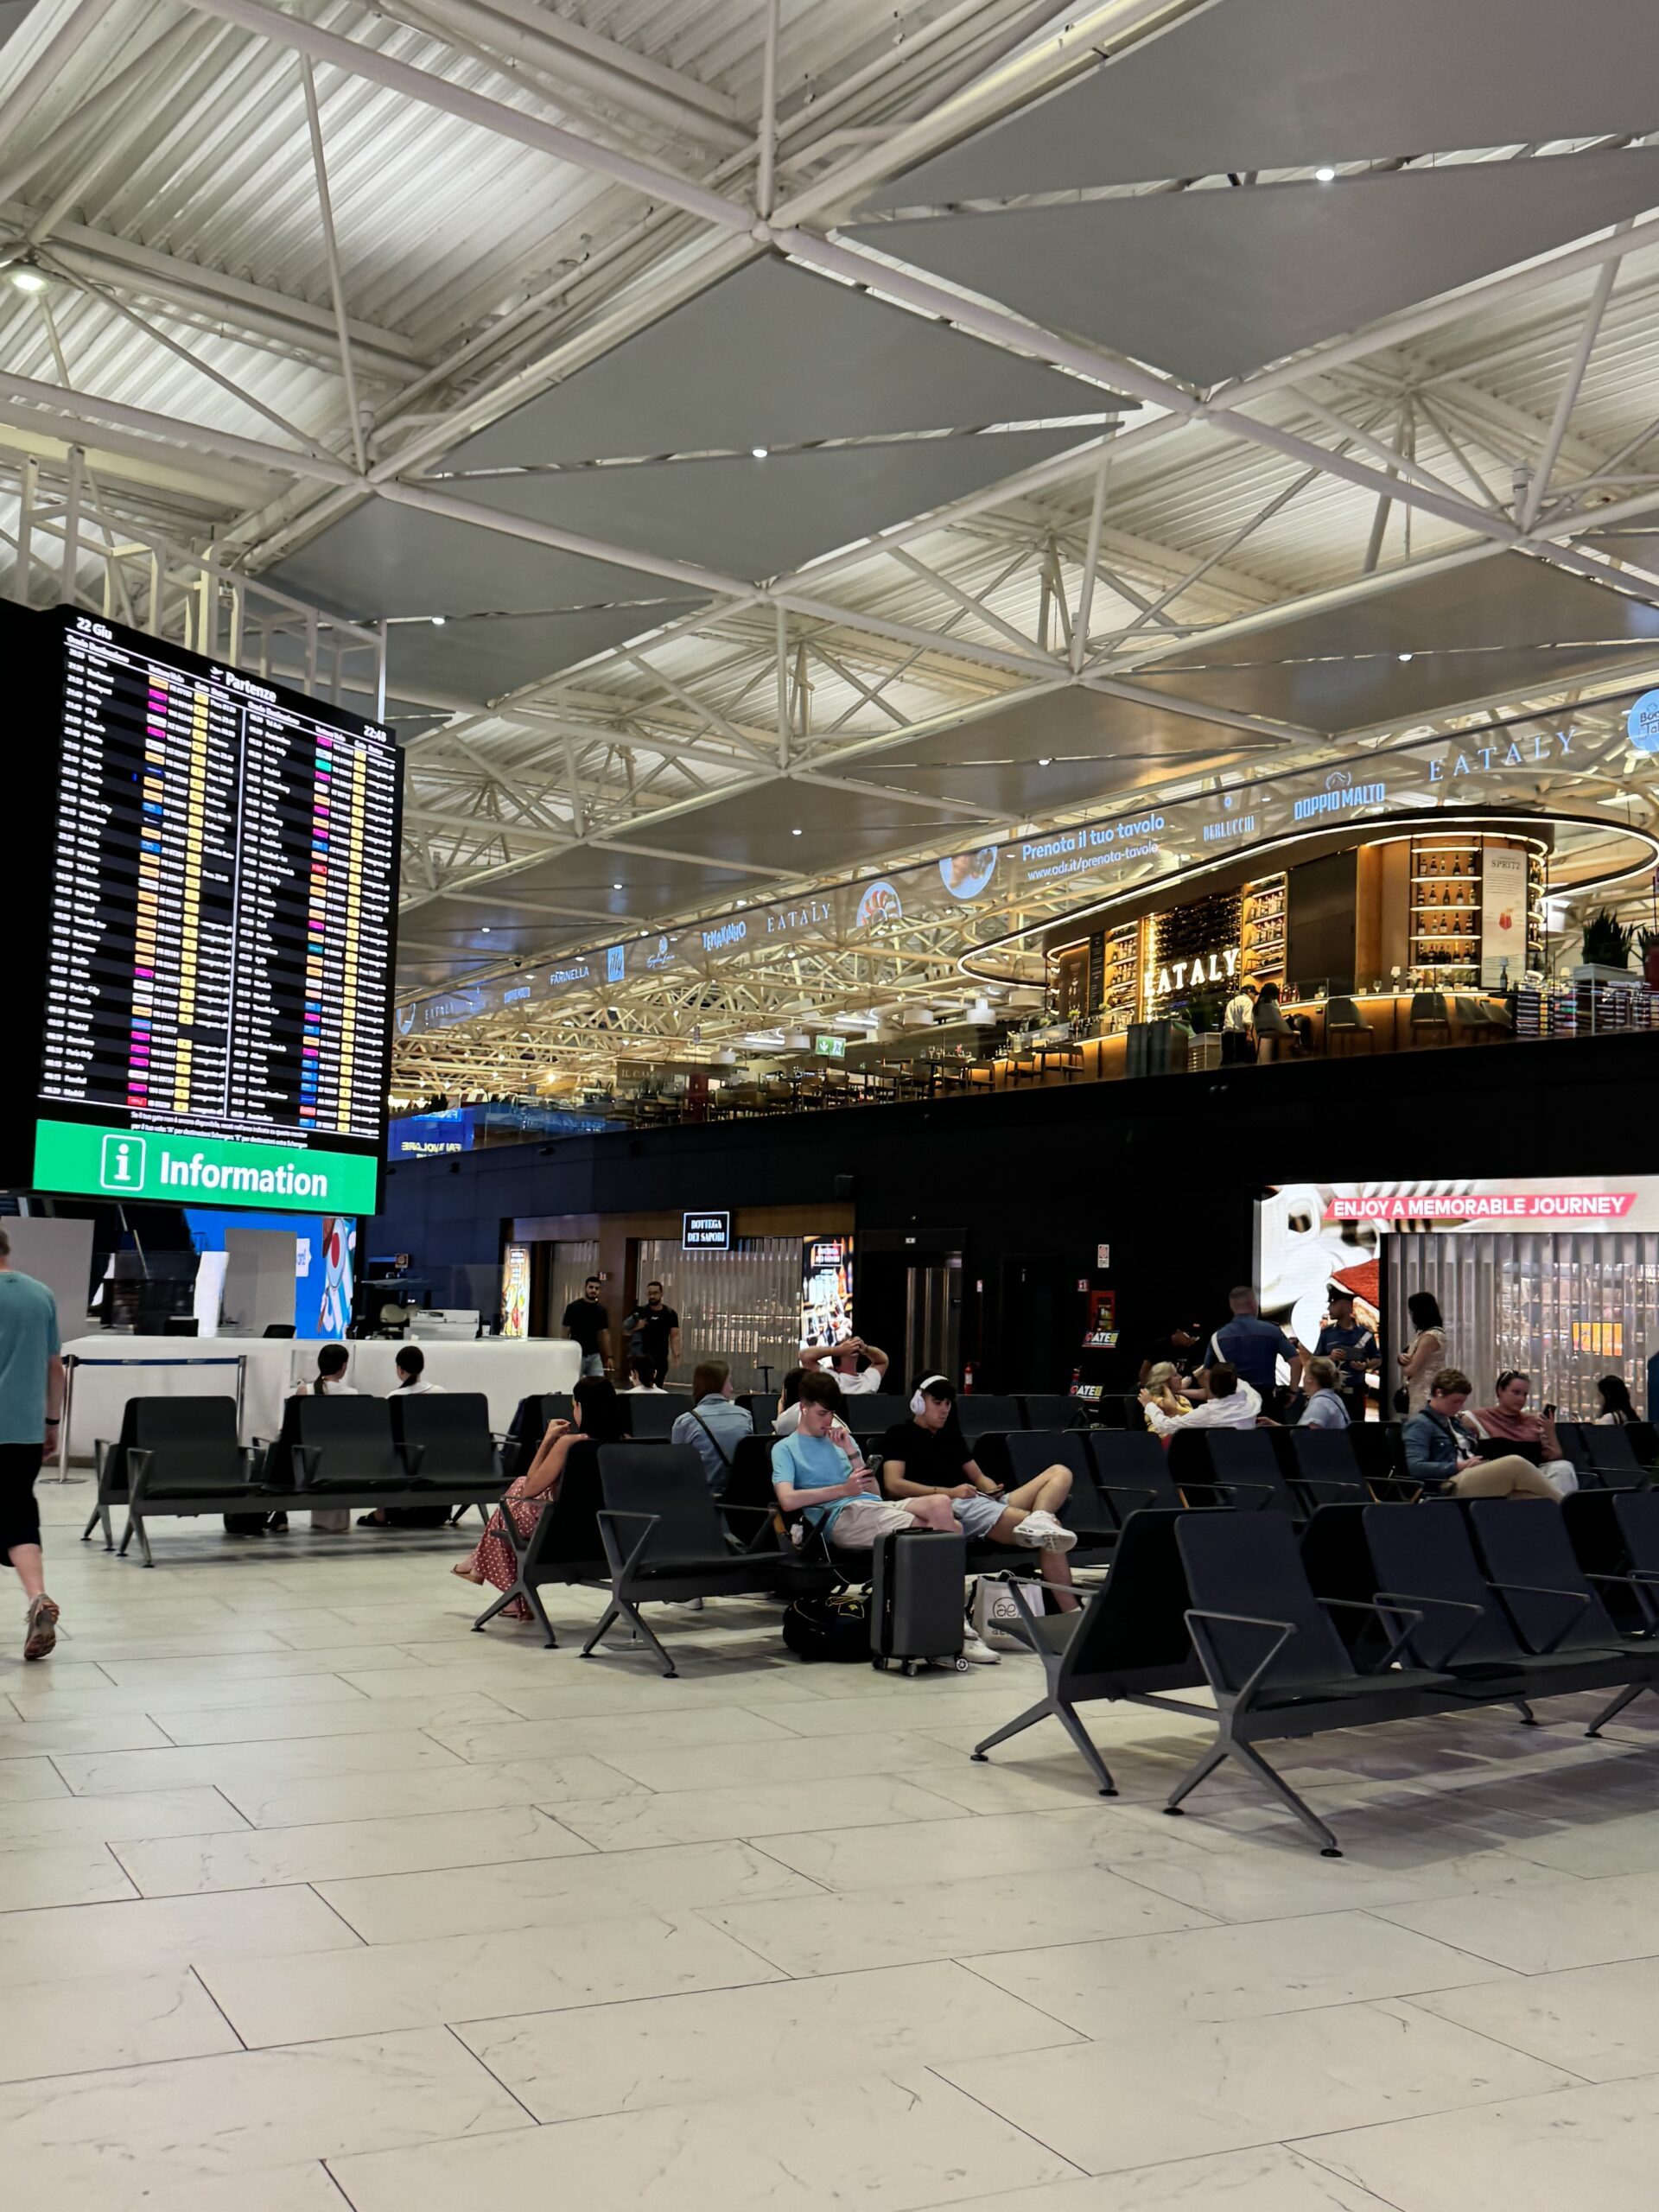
1255	1347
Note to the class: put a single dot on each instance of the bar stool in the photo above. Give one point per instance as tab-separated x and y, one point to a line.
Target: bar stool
1347	1027
1429	1013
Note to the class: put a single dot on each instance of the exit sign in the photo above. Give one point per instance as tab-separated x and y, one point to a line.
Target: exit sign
830	1048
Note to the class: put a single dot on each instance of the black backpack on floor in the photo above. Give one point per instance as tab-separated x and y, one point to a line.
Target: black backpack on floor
836	1627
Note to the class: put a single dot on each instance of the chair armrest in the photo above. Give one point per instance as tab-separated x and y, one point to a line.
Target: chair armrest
138	1474
1389	1600
1263	1492
1637	1582
608	1522
1199	1621
306	1458
763	1513
1581	1600
1369	1606
1397	1482
1112	1491
1329	1482
411	1455
101	1449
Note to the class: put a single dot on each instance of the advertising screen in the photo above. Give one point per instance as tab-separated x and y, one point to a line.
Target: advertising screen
220	912
826	1290
515	1291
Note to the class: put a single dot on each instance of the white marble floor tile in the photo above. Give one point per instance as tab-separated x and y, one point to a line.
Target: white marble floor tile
22	1780
251	1859
1235	1973
1601	2021
709	1816
1594	2147
630	1686
149	1933
780	1760
477	1899
1542	1931
130	2137
100	1820
42	1682
272	1802
947	1908
884	2145
61	1873
100	1774
104	2020
453	1978
973	1706
1269	2179
1012	1843
1133	2098
277	1720
175	1681
722	1724
668	2050
101	1640
115	1732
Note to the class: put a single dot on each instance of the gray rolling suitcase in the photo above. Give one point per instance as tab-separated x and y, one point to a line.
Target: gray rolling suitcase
915	1603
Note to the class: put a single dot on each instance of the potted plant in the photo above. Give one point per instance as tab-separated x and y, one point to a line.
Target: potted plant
1606	947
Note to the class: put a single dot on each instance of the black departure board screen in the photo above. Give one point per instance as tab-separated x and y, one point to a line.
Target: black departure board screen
219	930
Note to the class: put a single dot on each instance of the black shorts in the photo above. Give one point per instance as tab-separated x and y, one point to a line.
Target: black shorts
20	1517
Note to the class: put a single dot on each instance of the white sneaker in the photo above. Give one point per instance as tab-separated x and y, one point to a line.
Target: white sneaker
976	1651
1041	1532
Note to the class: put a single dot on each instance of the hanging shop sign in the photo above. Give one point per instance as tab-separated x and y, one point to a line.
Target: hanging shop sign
705	1232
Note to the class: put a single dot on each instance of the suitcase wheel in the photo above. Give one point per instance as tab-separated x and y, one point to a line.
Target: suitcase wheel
880	1664
912	1667
962	1665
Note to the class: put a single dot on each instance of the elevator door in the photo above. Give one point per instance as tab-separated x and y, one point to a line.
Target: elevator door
933	1316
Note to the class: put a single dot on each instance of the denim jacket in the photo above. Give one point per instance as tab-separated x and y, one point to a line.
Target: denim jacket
1434	1447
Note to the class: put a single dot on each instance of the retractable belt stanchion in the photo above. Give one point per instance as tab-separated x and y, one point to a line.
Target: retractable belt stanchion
73	1360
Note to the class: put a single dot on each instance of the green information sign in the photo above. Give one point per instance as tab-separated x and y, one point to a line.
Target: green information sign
830	1048
117	1163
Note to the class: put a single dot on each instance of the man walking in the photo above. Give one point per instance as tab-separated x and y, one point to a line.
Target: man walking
31	1397
587	1322
653	1334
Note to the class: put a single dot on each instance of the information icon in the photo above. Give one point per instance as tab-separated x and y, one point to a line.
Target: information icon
121	1165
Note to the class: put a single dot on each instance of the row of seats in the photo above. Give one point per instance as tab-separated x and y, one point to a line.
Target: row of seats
1373	1613
651	1415
182	1457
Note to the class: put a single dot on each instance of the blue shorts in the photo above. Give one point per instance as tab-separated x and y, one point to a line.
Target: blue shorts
977	1516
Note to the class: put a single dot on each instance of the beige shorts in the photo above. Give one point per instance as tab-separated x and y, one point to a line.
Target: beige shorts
863	1523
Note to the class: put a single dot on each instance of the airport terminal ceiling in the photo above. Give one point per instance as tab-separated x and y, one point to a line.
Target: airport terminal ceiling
665	415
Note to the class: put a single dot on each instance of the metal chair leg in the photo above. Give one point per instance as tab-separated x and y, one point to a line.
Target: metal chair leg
603	1629
1610	1711
1249	1757
533	1597
1028	1719
1194	1775
501	1605
1085	1742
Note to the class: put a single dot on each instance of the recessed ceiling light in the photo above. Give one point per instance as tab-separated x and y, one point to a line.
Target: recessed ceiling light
438	621
616	886
26	279
1405	656
743	902
758	452
485	929
1044	761
797	833
1326	176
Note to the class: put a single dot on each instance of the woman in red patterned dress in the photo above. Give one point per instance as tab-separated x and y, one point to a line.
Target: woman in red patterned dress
597	1416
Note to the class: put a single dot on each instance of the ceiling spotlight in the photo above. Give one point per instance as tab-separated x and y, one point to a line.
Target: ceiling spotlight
797	833
1326	175
616	886
28	279
438	621
486	929
1045	759
743	902
1403	656
758	452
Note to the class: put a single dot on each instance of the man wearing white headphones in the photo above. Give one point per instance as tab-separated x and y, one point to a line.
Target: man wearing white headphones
927	1456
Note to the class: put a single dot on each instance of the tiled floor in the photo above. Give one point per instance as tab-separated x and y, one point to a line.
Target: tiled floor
308	1894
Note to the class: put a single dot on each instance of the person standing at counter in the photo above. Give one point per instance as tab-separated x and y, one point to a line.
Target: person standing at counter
588	1325
653	1334
31	1399
1236	1042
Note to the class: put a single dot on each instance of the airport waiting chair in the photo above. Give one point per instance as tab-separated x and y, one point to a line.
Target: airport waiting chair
870	1414
1247	1461
457	1451
563	1546
667	1540
1091	1517
1129	1641
651	1415
1134	1472
184	1460
109	1468
1052	1409
1274	1659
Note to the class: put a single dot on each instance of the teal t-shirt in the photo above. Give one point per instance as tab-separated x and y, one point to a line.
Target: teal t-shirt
29	1337
812	1463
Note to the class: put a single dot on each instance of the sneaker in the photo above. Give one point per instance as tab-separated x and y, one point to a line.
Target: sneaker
976	1651
41	1628
1041	1532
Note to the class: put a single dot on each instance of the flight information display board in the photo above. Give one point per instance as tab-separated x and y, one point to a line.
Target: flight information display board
219	922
